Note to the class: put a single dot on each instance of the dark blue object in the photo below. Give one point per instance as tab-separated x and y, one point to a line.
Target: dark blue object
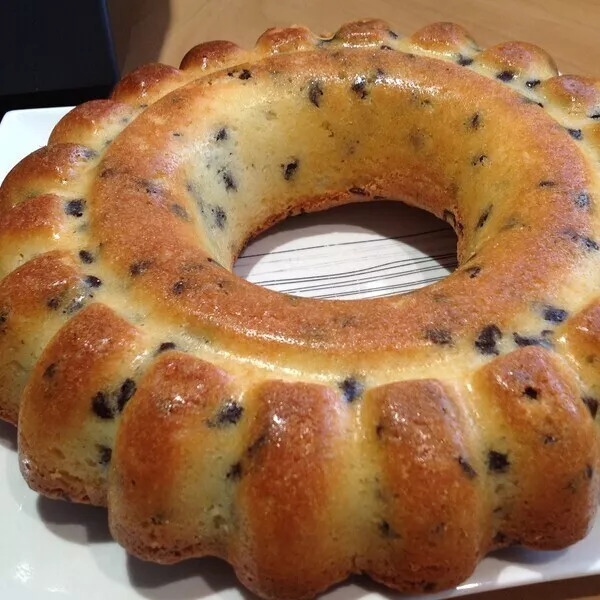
57	52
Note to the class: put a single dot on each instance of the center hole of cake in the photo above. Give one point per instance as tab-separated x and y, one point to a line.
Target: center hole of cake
353	251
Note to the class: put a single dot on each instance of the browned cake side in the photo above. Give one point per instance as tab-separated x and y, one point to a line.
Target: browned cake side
305	440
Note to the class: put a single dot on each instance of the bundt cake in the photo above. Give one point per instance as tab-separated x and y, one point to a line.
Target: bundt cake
305	440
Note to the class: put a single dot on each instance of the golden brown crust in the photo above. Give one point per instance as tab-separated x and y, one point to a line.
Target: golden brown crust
592	133
286	493
48	169
210	56
40	213
538	412
582	339
127	210
576	95
39	291
178	417
146	84
93	124
445	38
267	426
430	527
76	394
519	59
365	32
288	39
29	228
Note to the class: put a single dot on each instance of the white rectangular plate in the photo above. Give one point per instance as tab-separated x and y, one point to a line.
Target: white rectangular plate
51	548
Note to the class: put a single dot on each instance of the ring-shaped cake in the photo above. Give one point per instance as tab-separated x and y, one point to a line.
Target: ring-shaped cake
303	440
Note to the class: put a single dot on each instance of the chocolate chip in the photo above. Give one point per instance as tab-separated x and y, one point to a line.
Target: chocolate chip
526	100
245	74
195	193
229	181
101	407
50	371
583	200
472	272
532	83
359	87
497	462
351	389
487	340
393	34
166	346
235	471
379	76
416	139
589	471
219	216
482	159
506	75
576	134
554	315
88	153
93	281
140	267
386	530
379	430
531	392
256	445
385	47
149	186
546	183
585	241
358	191
595	115
214	262
104	455
475	121
500	538
315	92
75	208
179	211
73	306
469	471
522	341
53	303
442	337
464	61
86	257
178	287
221	134
229	414
289	169
128	388
176	134
592	404
549	440
484	217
